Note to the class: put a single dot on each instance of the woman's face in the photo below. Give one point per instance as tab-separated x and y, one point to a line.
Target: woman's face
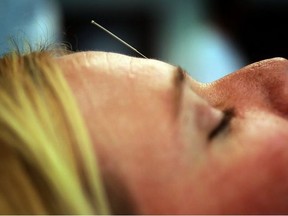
168	144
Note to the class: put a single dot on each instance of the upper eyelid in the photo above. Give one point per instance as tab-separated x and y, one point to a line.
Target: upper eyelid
229	114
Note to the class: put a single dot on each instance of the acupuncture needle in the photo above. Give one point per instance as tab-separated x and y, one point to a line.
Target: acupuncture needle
117	38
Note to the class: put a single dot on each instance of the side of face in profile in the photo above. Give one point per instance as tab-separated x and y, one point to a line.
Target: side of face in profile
166	144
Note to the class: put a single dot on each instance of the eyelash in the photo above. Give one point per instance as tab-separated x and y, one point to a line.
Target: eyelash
224	123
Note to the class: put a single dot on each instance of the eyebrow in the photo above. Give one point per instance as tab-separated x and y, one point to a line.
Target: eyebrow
179	78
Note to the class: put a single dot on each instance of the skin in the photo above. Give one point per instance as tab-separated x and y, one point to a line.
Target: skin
150	126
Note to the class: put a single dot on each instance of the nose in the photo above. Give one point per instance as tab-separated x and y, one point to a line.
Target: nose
260	85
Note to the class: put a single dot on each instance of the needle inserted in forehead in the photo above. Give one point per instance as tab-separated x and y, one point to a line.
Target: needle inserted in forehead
117	38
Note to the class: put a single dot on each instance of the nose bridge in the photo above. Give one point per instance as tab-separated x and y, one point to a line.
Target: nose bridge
263	84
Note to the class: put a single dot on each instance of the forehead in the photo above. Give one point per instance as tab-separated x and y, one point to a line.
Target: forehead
115	78
112	65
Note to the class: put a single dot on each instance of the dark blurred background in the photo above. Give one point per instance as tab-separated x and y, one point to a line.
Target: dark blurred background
208	38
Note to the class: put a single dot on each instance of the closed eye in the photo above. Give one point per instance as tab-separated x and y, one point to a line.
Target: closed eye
224	123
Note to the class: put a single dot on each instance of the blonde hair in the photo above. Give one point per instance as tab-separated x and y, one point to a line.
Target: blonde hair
47	161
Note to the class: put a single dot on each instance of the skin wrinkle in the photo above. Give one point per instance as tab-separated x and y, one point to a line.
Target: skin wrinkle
108	62
86	61
131	66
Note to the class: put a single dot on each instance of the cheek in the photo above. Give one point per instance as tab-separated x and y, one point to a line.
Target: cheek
252	177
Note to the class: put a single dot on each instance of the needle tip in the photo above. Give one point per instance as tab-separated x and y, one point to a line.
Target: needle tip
116	37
